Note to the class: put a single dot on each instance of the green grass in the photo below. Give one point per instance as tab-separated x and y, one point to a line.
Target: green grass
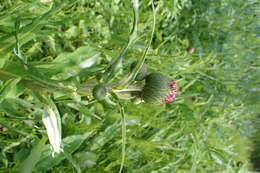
212	126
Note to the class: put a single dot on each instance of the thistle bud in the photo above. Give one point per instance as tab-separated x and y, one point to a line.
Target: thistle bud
142	72
158	89
99	92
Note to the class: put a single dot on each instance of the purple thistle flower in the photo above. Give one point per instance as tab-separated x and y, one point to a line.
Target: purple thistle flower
159	89
172	95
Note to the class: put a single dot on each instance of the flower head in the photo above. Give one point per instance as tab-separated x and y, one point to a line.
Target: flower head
158	89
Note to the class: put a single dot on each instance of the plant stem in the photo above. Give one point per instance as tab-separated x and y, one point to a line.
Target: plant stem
127	90
123	131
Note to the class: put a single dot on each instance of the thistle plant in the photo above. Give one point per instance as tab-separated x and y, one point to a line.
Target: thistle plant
107	89
93	82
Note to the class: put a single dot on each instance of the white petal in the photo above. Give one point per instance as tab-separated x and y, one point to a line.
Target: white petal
54	132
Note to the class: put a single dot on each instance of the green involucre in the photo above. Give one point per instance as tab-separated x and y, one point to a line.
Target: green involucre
156	89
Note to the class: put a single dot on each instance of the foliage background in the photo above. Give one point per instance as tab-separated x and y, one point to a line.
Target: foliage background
213	125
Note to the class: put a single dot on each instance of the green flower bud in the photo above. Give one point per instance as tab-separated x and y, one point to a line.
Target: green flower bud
158	89
99	92
142	72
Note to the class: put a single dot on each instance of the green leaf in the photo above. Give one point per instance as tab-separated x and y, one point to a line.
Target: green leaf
4	159
10	107
86	159
27	32
110	132
29	163
116	64
8	89
72	63
70	144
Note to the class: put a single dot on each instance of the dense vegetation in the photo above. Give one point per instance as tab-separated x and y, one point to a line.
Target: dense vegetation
53	52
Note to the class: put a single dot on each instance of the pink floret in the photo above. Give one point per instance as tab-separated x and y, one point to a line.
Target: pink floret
173	92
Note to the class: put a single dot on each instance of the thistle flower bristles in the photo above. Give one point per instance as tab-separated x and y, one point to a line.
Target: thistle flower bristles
173	92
